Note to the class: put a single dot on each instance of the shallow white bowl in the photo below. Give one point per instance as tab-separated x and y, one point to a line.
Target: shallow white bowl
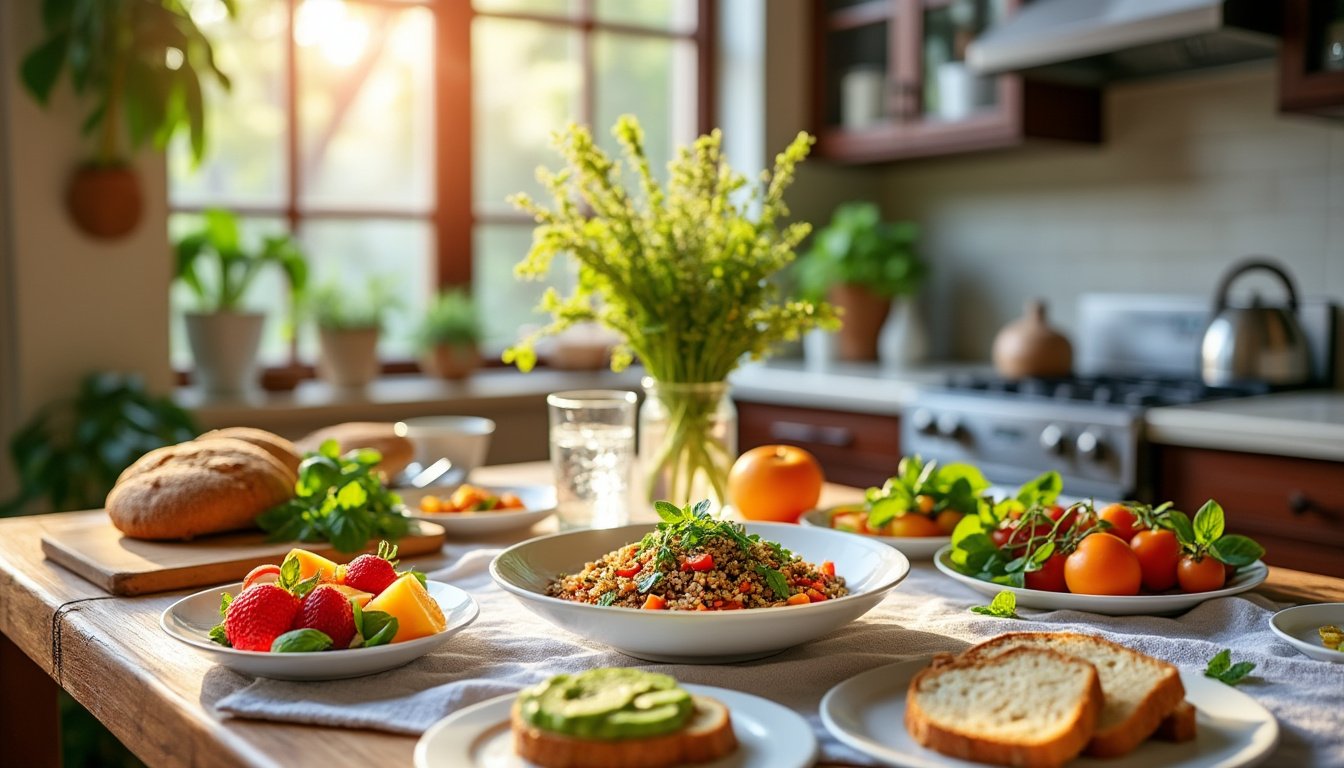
190	619
463	440
538	501
1298	627
913	547
870	568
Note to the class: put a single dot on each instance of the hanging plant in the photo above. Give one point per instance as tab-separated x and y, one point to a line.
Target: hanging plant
140	64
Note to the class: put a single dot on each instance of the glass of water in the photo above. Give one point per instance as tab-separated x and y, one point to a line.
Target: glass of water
593	454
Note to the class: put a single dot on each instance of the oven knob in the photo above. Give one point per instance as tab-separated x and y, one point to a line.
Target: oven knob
1052	439
923	422
1090	445
949	426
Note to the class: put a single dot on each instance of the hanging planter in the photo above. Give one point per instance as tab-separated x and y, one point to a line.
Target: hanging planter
105	201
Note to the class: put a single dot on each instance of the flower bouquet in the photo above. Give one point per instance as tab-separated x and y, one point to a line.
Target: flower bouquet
682	272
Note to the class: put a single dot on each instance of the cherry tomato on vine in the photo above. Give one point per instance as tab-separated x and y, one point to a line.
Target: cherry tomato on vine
1124	523
1159	552
1000	536
1200	574
1103	565
947	520
1050	577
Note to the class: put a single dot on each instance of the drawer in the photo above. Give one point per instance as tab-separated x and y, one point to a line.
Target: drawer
1295	507
857	449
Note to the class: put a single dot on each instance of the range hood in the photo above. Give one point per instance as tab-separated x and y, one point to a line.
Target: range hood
1091	42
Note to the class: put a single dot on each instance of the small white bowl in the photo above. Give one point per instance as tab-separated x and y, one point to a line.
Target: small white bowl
871	569
189	620
1298	627
539	503
913	547
463	440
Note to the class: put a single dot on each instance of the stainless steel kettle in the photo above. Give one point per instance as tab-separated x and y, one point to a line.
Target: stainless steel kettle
1258	343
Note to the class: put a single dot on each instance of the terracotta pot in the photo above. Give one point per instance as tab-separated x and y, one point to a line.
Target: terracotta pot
1029	347
283	379
863	314
105	201
452	361
224	346
349	356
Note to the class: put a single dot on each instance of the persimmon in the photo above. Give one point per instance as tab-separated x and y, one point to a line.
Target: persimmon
1103	565
775	482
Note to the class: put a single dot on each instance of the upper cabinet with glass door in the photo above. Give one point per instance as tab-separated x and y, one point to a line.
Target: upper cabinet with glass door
1311	58
892	83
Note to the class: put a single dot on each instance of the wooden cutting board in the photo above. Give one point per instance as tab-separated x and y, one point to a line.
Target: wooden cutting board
88	544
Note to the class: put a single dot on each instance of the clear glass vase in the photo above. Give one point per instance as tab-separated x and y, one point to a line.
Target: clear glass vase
687	441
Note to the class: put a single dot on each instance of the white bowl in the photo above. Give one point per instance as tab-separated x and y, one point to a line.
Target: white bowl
190	619
1298	627
913	547
463	440
538	501
870	568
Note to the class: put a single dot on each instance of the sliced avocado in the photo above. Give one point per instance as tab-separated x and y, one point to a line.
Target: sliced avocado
586	705
642	723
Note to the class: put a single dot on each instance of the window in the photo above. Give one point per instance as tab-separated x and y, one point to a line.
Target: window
387	133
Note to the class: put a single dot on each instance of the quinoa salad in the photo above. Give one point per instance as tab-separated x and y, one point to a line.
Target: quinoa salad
694	562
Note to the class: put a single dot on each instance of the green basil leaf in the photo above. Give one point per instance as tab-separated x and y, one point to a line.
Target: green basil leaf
1042	553
330	449
359	618
1236	550
366	456
289	571
218	635
648	581
1208	522
1003	606
1041	491
301	641
1237	672
886	510
1219	663
382	625
352	496
778	584
607	598
701	508
1180	524
667	511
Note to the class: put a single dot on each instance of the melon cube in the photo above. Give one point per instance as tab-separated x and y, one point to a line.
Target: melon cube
417	614
361	598
310	563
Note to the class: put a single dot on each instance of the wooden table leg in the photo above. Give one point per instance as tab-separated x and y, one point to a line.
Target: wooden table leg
30	718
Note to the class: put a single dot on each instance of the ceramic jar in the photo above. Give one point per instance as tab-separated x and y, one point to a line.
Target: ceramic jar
1029	348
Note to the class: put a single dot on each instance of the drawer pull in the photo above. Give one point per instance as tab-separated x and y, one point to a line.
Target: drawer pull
798	432
1300	505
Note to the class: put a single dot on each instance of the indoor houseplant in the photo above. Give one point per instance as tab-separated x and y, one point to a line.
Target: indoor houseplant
348	325
860	263
683	273
450	334
139	64
223	335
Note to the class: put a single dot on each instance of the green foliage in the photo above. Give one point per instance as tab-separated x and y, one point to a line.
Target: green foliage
683	272
235	266
336	308
72	451
1003	606
452	319
140	63
1222	669
858	247
952	486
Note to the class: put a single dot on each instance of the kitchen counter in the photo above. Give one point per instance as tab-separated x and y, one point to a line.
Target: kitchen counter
852	387
1298	424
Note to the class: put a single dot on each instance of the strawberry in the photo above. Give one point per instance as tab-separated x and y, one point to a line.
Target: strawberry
327	610
258	615
373	573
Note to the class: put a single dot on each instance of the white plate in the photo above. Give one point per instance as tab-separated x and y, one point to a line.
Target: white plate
867	712
913	547
1298	627
870	568
190	619
538	501
1249	577
768	735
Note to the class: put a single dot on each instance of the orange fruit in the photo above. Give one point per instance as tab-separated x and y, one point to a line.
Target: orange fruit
1103	565
775	482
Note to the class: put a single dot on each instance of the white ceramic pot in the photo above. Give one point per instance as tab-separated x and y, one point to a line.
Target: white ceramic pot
224	346
349	356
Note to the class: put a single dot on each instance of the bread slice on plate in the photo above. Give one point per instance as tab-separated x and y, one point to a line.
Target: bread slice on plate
707	736
1141	691
1179	726
1023	707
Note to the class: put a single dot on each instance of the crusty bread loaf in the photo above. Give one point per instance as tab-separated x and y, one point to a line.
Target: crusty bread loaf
1023	707
707	737
197	487
1140	690
273	444
397	450
1180	726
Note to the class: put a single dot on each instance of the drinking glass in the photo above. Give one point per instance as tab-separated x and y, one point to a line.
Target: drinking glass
592	453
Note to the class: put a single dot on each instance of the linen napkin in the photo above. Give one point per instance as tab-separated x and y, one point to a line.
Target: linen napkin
508	648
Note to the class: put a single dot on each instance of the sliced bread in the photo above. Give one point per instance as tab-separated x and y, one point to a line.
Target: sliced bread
1023	707
1140	690
1180	726
708	736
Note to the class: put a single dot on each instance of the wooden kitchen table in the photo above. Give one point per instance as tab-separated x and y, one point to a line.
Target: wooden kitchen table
111	655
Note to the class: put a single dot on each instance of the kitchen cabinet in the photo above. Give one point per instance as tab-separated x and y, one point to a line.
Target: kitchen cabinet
890	83
859	449
1294	507
1311	58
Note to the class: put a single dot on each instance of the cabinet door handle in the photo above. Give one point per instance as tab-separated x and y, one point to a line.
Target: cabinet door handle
798	432
1300	506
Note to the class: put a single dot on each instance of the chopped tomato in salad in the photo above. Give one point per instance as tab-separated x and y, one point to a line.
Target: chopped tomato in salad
470	498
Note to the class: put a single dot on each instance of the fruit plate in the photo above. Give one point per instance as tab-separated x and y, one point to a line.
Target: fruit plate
1298	627
913	547
871	569
1247	578
866	712
190	619
538	501
768	735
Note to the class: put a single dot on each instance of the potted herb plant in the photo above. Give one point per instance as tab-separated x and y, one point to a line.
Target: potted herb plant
348	326
224	336
140	63
450	334
860	263
683	273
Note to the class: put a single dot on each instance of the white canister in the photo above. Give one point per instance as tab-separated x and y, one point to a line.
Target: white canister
961	92
861	91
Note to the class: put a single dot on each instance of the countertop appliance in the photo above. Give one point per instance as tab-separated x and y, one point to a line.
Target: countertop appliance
1134	352
1256	343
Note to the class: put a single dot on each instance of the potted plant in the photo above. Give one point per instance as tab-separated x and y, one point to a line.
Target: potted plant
450	335
224	337
860	263
140	63
348	327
